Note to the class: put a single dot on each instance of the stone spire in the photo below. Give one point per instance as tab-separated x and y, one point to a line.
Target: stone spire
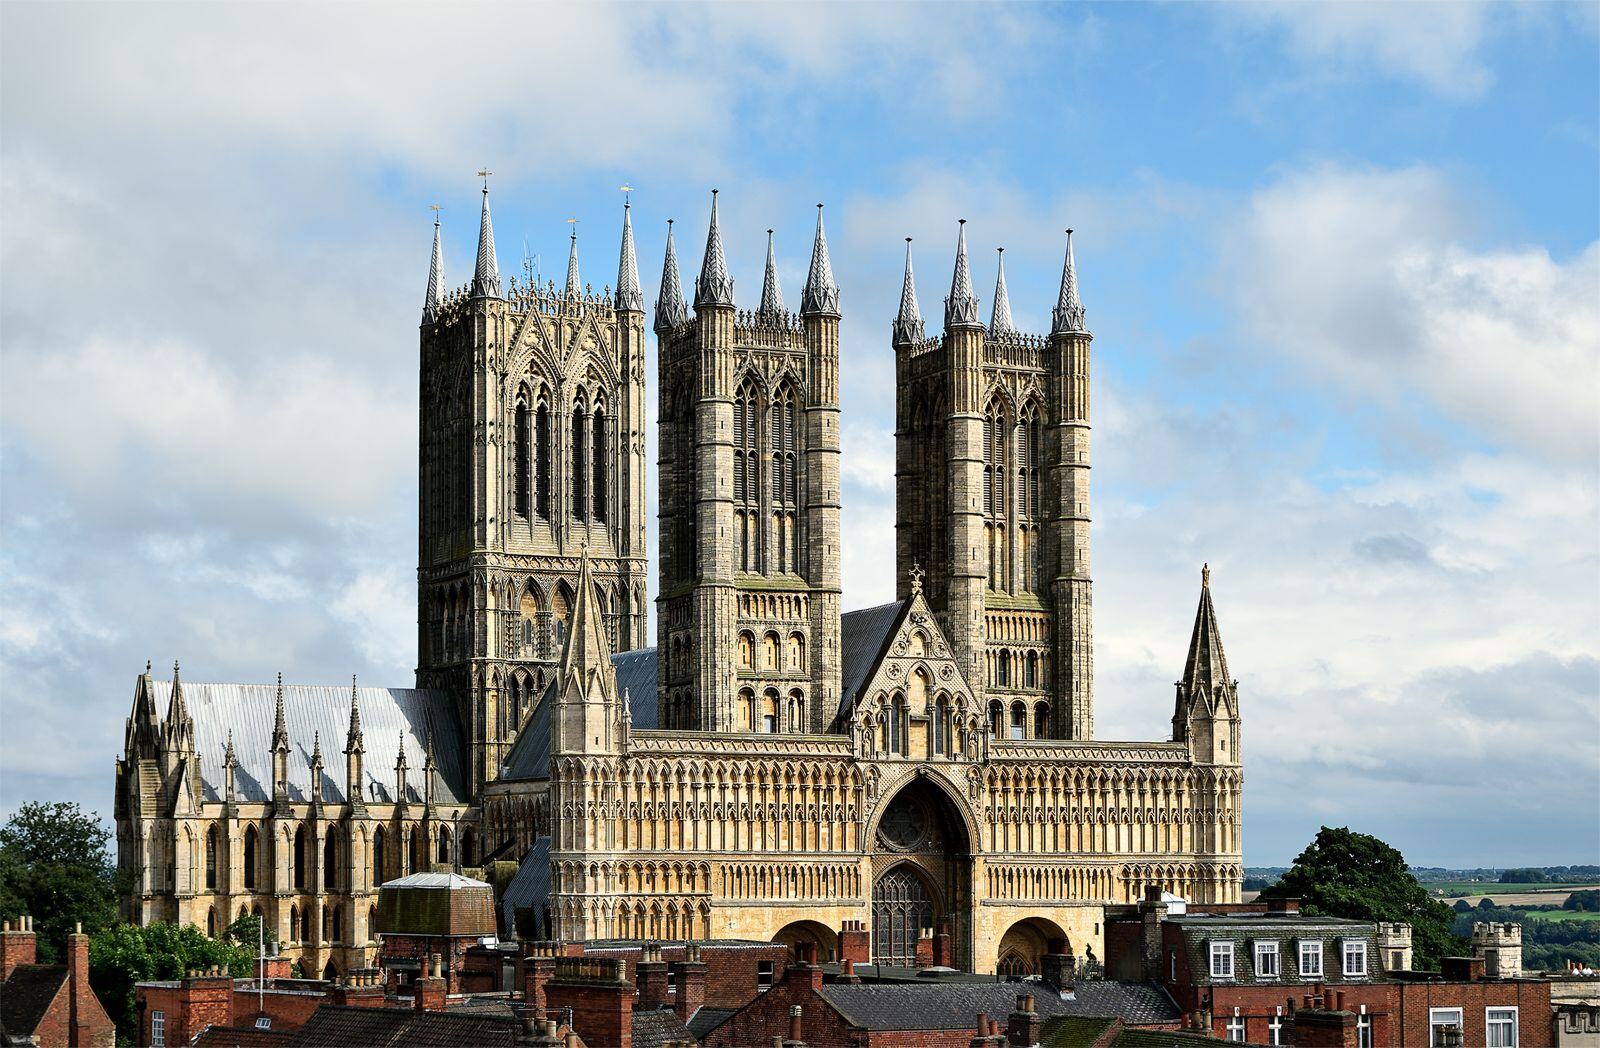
715	287
486	276
908	323
353	741
179	723
435	296
230	764
670	307
280	730
771	293
1206	668
629	298
316	767
400	767
588	651
1000	312
574	285
821	294
961	308
1068	316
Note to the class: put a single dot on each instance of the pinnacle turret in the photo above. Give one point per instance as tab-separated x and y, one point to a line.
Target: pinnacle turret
629	298
1206	668
1068	315
821	294
588	651
771	293
177	708
280	730
714	287
574	285
908	322
486	275
670	307
354	742
1000	312
961	308
435	294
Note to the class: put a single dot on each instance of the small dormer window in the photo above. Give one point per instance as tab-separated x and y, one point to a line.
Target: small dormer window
1310	959
1222	960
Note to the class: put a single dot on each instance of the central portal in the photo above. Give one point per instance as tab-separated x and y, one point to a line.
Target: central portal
923	869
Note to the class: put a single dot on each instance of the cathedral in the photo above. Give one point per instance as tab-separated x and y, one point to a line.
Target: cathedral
774	767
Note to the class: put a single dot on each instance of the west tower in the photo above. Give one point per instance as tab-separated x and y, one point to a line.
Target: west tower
748	618
992	496
532	451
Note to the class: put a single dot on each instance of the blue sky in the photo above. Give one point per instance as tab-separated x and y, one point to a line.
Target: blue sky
1340	261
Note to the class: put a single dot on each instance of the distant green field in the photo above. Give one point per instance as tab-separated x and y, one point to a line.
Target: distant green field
1454	888
1564	915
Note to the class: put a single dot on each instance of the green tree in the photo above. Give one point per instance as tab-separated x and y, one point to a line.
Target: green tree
1352	875
1584	901
122	955
55	867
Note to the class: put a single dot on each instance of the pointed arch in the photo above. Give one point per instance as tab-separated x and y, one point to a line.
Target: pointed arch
782	427
578	450
746	475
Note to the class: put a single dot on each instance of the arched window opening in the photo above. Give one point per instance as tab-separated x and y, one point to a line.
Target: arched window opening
941	725
746	471
250	857
541	439
996	717
894	730
601	455
300	858
796	653
797	712
211	859
1041	721
747	710
995	427
416	843
747	651
1031	673
444	846
379	839
769	651
294	921
785	478
580	458
522	451
330	861
211	921
769	712
468	846
338	925
1019	721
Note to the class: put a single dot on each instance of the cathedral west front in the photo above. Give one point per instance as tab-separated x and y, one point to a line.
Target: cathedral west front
774	767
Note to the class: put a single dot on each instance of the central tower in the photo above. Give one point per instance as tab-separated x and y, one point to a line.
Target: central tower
532	452
748	616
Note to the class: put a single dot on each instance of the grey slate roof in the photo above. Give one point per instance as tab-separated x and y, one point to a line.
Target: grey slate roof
932	1006
862	636
530	886
386	714
27	995
706	1019
1135	1003
655	1028
636	677
340	1026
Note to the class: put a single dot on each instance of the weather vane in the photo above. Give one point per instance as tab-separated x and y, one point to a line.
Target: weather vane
436	208
627	194
484	174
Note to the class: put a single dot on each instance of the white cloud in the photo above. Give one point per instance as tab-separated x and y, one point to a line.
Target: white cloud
1436	45
1367	276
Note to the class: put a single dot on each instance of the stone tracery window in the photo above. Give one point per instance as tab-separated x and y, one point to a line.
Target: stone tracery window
578	451
541	466
600	453
746	473
522	452
785	479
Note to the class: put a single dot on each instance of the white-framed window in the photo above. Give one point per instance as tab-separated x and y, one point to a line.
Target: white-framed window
1266	960
1500	1027
1222	960
158	1029
1355	959
1310	959
1363	1029
1236	1027
264	1022
1438	1019
763	976
1275	1027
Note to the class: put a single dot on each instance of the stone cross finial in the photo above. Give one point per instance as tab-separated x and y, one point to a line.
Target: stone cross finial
916	577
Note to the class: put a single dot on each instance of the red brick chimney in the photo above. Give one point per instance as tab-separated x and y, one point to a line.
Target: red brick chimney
691	977
538	965
1322	1028
362	988
804	970
943	956
855	946
924	954
206	998
429	990
90	1023
600	997
18	945
652	979
1023	1025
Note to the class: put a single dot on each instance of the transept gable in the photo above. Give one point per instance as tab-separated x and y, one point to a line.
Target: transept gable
914	643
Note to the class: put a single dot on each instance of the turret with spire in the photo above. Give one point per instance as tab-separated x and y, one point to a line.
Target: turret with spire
434	298
230	768
400	768
629	298
1206	714
961	308
280	752
771	294
587	717
1000	312
821	294
355	748
430	773
315	791
1067	518
486	273
714	287
574	284
908	326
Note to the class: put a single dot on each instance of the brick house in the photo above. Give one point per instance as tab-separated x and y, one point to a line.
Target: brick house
49	1005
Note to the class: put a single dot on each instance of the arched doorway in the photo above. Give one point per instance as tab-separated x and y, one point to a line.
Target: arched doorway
922	849
1025	943
818	934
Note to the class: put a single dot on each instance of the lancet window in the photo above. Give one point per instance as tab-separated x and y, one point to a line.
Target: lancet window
785	480
541	444
599	453
522	453
746	471
995	472
1029	434
580	459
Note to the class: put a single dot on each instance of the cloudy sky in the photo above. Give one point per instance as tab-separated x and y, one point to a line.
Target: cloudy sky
1341	264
